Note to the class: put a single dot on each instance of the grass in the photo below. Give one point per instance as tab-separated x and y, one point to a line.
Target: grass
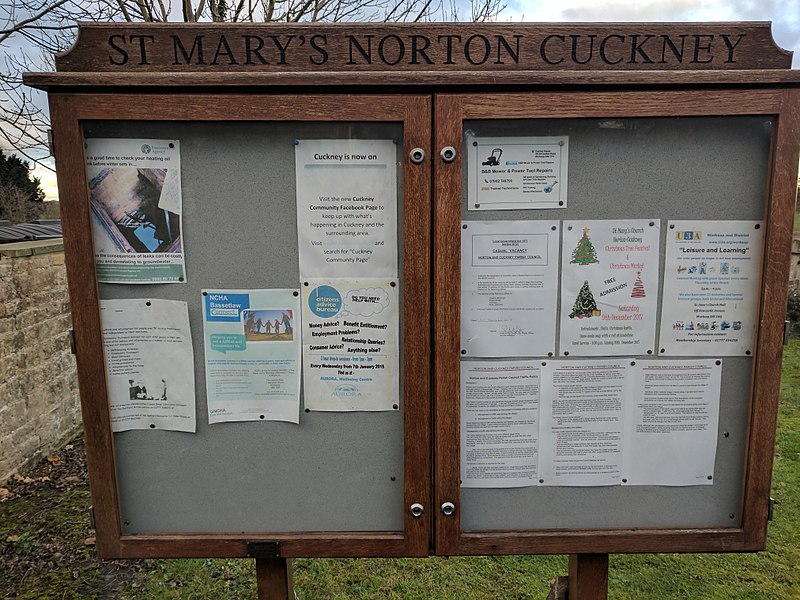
772	574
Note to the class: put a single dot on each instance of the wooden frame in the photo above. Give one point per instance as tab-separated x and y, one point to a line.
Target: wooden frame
451	110
431	94
68	112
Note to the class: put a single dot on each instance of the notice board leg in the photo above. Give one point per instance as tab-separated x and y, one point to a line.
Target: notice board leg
274	579
588	576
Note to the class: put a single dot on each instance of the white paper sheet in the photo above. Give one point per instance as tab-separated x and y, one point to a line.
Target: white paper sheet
580	422
135	199
671	423
252	350
609	287
712	278
509	288
347	208
512	173
499	423
149	363
351	345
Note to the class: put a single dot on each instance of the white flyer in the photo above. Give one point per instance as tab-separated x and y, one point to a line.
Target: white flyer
347	207
149	364
499	423
509	288
351	345
671	424
135	201
609	287
512	173
712	282
252	350
580	424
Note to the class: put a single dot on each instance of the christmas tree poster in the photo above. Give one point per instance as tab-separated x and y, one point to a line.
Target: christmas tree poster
609	287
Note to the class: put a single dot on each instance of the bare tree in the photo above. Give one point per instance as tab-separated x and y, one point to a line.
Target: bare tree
32	31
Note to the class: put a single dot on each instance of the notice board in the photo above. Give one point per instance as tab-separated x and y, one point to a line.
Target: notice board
706	135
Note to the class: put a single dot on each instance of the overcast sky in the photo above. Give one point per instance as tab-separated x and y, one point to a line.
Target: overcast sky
784	14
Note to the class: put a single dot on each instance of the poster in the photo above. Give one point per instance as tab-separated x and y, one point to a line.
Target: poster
581	429
512	173
149	364
347	207
672	417
499	423
351	345
135	200
609	287
509	290
252	351
712	283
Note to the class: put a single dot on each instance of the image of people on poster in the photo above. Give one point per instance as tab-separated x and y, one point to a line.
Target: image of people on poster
351	345
512	173
135	201
509	290
149	364
609	287
347	207
499	423
712	282
252	351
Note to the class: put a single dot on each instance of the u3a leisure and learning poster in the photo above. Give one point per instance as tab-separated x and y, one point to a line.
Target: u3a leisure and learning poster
347	208
135	200
609	287
711	284
252	349
512	173
350	345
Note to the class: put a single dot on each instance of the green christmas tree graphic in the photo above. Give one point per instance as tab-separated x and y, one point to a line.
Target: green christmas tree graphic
584	253
584	306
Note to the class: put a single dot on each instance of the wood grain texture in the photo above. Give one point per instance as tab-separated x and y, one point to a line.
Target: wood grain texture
447	320
274	579
588	576
343	47
417	318
775	277
83	296
291	544
429	80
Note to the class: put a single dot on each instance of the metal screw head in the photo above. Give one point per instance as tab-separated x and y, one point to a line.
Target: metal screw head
417	155
416	510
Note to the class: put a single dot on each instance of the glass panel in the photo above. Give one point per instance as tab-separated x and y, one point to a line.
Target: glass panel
646	168
335	471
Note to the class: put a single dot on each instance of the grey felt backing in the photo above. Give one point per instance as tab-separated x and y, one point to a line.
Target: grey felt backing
333	471
664	168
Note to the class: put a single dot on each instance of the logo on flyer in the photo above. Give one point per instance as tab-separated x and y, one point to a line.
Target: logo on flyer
689	236
325	301
347	390
225	308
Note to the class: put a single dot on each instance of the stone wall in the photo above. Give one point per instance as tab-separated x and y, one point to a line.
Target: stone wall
39	405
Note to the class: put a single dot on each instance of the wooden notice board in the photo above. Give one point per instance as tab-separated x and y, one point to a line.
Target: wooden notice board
666	122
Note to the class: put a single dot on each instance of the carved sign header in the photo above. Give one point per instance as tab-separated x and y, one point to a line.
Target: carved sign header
423	47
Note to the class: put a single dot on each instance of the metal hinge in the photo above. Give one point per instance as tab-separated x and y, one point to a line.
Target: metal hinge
787	328
264	549
50	144
771	509
91	517
72	345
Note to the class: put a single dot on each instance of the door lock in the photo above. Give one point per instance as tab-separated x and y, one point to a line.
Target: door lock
416	510
448	508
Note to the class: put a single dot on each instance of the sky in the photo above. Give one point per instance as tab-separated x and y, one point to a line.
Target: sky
784	14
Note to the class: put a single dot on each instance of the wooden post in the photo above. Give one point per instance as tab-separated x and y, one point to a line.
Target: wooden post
588	576
274	579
